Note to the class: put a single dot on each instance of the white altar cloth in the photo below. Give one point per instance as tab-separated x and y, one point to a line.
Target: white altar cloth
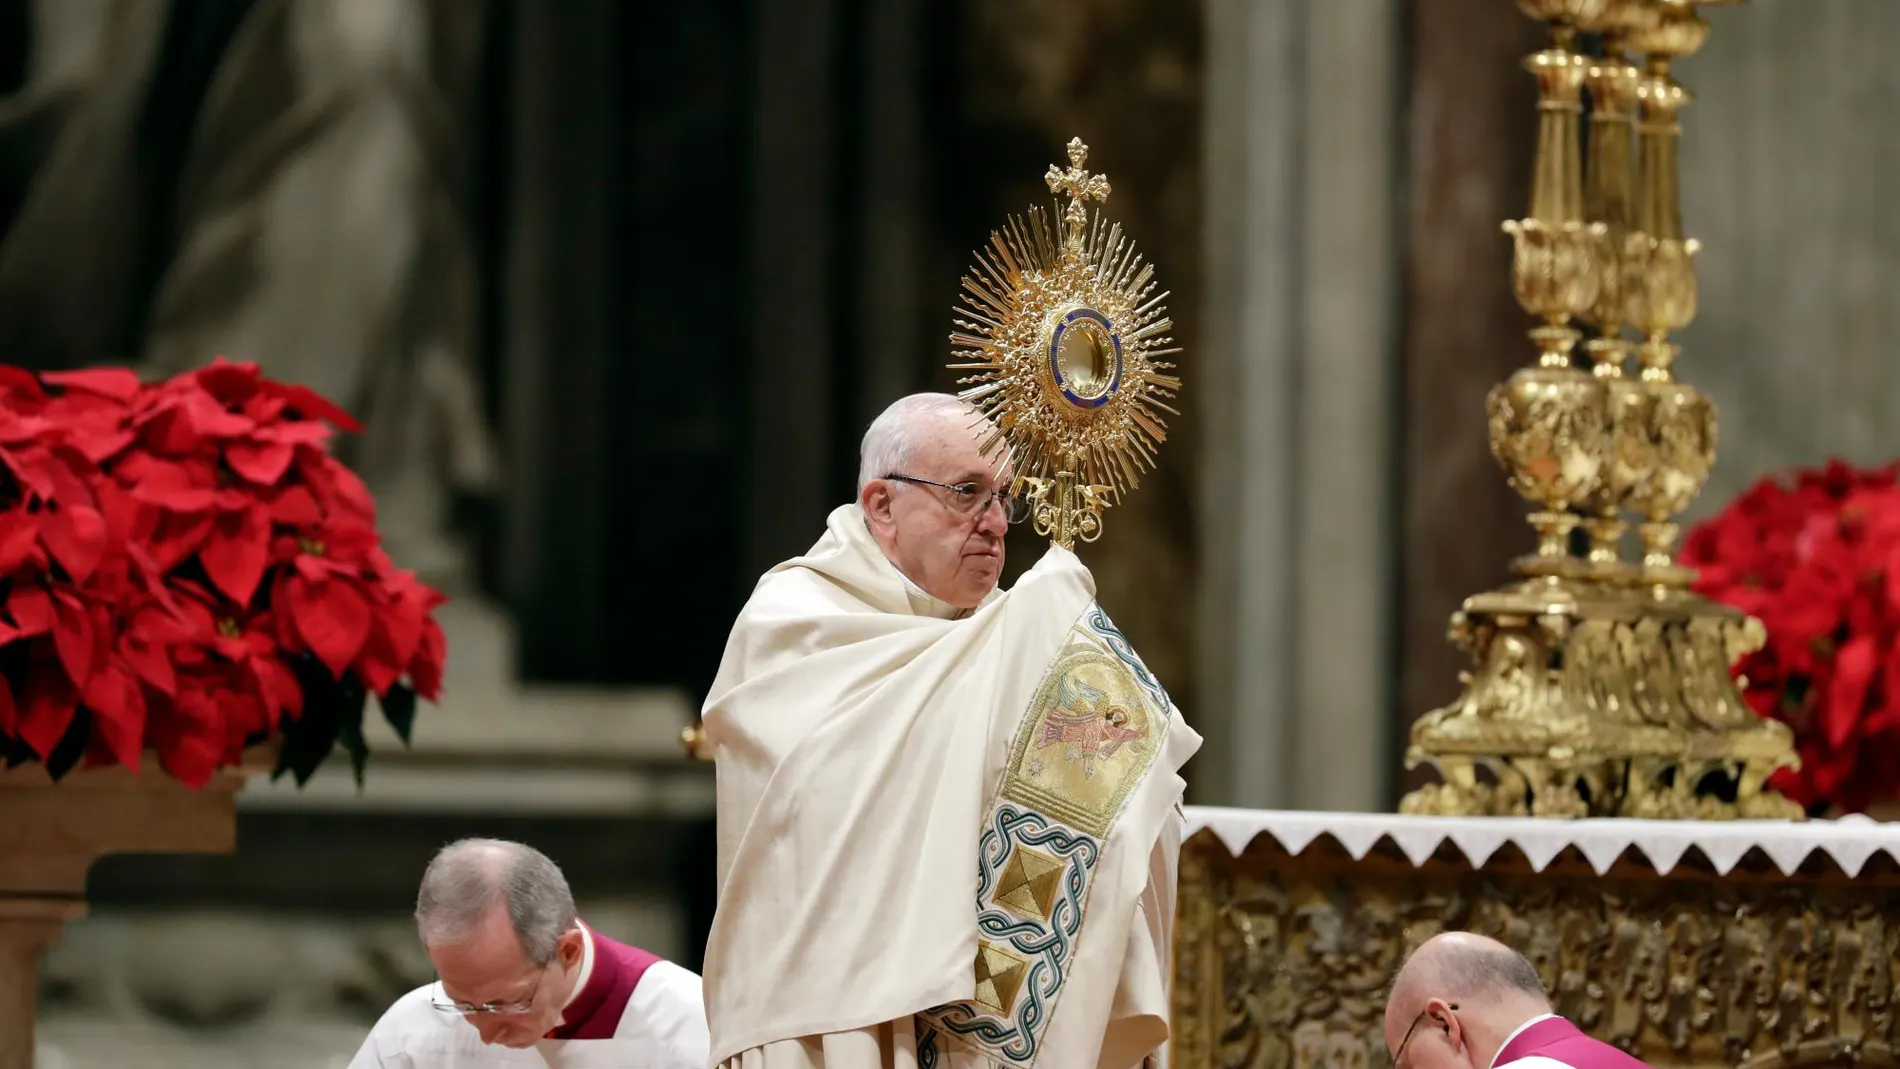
1849	841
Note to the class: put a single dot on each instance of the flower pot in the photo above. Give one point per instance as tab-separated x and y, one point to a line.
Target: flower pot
51	834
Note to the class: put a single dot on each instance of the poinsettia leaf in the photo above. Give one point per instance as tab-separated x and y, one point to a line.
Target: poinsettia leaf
1893	579
191	745
295	506
47	707
73	640
71	746
32	608
211	419
117	704
399	708
120	384
1846	698
30	466
262	463
19	532
178	487
333	616
238	551
425	669
151	664
176	537
20	380
313	405
76	537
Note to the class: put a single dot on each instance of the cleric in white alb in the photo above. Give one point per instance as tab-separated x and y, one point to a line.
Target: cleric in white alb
522	982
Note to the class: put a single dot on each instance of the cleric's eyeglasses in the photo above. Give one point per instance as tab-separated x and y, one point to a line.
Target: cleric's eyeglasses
970	501
1416	1021
493	1009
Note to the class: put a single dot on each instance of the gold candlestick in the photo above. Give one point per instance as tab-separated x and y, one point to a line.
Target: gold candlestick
1601	687
1609	196
1682	429
1546	421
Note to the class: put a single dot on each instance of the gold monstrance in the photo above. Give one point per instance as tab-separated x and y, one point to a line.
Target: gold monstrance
1065	334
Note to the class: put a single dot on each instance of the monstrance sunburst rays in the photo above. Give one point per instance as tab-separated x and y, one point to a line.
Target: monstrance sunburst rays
1065	335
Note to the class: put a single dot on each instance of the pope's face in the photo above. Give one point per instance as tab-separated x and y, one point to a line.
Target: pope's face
949	543
488	969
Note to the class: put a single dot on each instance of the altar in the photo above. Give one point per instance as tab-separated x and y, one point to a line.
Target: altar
1687	943
1609	797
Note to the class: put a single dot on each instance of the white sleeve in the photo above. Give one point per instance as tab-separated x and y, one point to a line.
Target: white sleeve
669	1005
370	1056
384	1048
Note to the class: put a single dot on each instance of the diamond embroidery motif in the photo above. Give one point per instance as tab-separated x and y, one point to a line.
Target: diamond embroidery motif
999	976
1029	883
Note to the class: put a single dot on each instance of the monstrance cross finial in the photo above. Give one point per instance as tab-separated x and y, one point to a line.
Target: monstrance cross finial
1080	186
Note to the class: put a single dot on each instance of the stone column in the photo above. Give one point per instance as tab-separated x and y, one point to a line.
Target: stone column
1472	115
1299	359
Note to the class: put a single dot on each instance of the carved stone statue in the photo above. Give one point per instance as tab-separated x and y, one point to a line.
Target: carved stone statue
280	181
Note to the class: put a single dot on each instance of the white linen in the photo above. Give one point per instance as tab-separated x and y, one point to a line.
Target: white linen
1536	1061
663	1027
1848	841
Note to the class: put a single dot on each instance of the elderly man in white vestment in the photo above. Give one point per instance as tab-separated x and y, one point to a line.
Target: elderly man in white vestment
522	981
948	815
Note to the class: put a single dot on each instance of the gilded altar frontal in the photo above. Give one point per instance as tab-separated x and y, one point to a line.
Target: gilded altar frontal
949	534
1286	958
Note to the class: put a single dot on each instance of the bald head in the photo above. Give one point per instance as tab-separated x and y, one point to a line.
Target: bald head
1460	965
1475	989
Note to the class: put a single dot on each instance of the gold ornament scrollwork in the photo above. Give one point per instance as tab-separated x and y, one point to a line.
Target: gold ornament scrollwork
1282	965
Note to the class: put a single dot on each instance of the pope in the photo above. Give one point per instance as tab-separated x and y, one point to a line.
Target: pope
948	814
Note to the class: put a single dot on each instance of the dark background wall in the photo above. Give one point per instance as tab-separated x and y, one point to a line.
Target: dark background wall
731	232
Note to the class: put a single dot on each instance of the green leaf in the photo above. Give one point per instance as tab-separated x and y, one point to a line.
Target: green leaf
71	746
309	738
399	708
352	696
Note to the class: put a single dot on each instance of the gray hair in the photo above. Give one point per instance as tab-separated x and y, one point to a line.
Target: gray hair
892	437
469	877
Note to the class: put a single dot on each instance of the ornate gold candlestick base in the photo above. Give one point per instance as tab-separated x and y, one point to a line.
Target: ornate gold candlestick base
1589	700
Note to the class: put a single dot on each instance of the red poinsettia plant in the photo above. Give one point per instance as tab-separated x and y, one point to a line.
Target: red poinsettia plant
1816	557
185	569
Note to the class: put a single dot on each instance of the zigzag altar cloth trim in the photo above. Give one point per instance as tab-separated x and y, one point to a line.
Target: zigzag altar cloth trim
1848	842
1087	740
